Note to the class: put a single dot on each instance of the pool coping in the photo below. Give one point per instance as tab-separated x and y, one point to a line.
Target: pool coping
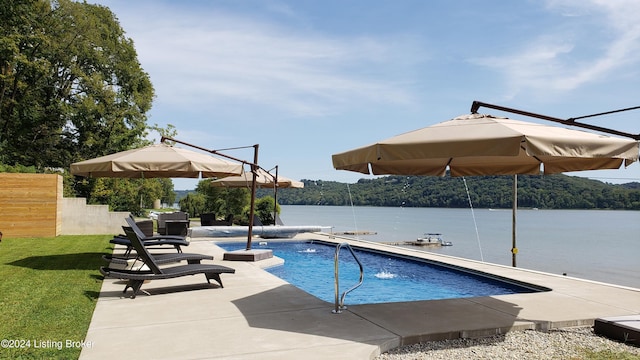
257	315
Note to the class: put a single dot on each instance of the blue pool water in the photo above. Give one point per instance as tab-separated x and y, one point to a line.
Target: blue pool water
387	278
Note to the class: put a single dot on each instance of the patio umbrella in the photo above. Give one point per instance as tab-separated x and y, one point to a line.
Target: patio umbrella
486	145
157	161
166	161
264	179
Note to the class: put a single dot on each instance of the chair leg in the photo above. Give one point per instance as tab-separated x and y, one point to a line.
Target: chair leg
214	276
135	286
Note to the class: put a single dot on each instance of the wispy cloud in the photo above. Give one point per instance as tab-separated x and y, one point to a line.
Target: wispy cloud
220	58
564	57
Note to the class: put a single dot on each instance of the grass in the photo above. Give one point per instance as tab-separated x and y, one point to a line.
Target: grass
48	292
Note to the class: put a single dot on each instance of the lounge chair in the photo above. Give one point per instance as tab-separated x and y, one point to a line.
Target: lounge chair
135	278
160	258
176	241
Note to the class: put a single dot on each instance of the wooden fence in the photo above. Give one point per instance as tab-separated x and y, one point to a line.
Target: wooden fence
30	205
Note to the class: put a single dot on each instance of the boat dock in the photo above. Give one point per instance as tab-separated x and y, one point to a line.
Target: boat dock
354	232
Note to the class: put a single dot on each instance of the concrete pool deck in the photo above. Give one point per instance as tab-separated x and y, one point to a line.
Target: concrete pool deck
259	316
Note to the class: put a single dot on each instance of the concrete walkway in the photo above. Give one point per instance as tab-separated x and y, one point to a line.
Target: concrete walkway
259	316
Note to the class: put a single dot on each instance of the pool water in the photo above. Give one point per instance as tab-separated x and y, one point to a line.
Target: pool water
387	278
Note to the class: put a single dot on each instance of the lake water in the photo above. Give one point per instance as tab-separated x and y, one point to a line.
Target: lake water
600	245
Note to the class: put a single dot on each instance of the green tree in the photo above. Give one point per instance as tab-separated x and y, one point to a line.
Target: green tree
71	87
223	201
119	194
168	196
193	203
264	210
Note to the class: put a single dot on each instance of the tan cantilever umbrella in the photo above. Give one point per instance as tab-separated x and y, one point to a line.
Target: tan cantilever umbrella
166	161
157	161
264	179
486	145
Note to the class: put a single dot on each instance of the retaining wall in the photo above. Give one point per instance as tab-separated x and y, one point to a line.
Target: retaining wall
78	218
31	205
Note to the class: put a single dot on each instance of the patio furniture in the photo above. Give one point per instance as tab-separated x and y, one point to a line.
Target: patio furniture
161	259
152	270
181	216
148	241
177	227
191	258
146	226
207	219
212	221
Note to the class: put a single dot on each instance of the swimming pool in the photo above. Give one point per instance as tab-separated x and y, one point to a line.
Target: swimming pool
309	265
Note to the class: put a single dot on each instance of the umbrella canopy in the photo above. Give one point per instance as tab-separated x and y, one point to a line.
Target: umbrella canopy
264	179
486	145
157	161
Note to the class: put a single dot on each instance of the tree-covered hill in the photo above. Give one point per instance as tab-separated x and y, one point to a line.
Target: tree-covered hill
544	192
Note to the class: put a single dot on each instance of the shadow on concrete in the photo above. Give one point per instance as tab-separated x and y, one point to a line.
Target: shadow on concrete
147	290
389	325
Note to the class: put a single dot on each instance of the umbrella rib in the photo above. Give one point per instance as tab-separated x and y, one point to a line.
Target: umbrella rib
525	150
533	156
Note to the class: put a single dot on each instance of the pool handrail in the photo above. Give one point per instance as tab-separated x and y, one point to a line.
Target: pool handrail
339	301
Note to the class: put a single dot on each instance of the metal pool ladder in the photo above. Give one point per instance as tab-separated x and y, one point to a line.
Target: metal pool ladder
340	300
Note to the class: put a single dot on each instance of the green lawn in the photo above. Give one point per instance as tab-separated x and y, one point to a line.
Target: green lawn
48	291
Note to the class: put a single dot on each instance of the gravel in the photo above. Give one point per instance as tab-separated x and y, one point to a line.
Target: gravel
568	343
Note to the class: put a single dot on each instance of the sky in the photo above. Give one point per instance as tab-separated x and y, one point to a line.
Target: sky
307	79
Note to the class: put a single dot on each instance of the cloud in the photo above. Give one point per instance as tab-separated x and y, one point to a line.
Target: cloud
221	58
598	39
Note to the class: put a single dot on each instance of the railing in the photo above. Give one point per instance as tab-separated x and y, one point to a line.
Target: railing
340	300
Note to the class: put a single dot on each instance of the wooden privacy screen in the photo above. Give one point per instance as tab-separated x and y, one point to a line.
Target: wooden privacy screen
30	205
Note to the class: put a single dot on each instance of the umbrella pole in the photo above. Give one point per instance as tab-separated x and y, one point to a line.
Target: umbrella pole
275	196
254	170
514	249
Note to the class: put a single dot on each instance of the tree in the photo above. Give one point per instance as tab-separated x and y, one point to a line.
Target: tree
224	201
119	194
71	87
193	204
264	210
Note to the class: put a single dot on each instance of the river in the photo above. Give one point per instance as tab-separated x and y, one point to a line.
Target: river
599	245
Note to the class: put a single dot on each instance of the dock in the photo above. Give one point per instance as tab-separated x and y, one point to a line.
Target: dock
350	232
